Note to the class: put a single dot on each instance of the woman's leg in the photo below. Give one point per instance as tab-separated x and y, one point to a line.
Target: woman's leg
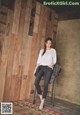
47	76
37	81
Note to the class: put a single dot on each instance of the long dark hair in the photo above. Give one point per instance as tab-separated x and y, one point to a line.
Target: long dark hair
50	39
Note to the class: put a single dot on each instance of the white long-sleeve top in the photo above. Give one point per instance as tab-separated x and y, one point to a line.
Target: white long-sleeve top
48	58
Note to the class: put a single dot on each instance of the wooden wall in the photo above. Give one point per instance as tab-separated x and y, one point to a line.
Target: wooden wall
18	49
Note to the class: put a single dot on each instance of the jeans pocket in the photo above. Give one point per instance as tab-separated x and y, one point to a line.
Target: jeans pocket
49	68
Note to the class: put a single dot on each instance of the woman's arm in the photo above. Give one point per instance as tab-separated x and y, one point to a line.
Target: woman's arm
35	68
54	59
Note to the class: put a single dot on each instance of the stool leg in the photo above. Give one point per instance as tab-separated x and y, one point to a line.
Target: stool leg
53	93
52	96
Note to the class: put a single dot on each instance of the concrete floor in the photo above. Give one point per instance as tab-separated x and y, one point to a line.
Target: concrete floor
62	106
65	107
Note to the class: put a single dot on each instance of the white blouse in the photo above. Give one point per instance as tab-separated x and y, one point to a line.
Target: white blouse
48	58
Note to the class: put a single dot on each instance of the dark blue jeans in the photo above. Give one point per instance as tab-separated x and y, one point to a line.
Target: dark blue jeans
45	72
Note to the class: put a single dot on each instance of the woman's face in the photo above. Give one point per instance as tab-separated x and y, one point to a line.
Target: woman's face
48	44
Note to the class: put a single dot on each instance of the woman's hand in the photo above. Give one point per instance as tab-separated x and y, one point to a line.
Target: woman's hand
51	66
35	69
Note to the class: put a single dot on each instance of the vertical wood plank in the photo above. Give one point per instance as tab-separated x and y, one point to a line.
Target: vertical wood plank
4	58
16	16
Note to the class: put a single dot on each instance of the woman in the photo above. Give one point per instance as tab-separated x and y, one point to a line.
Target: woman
46	61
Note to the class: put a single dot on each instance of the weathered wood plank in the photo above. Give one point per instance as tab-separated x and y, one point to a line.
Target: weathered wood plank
12	91
16	16
4	58
19	39
38	8
26	50
3	9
